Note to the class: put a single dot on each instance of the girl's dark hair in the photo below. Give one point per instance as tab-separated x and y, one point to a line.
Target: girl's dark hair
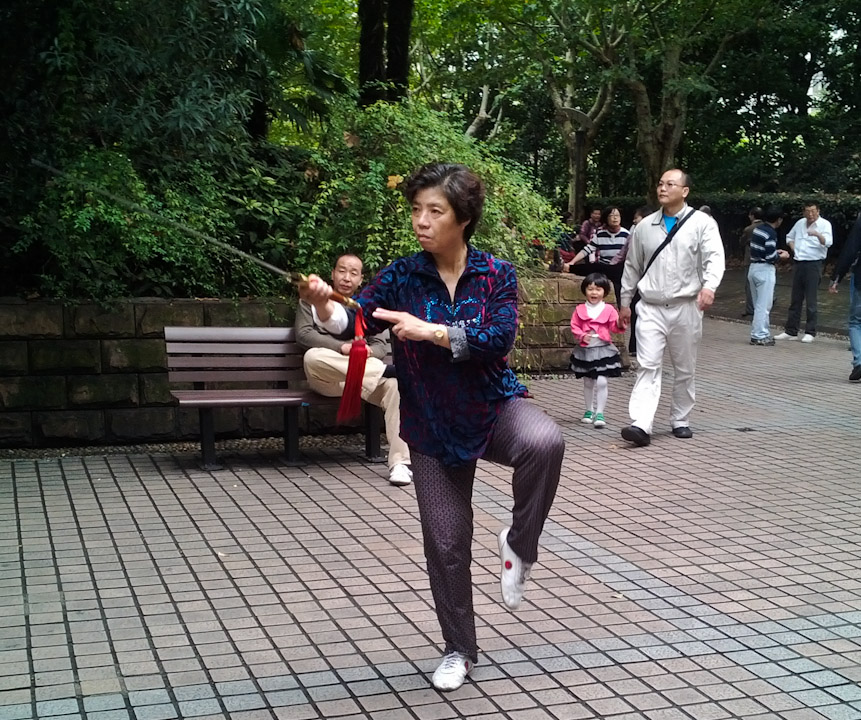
605	213
599	279
463	189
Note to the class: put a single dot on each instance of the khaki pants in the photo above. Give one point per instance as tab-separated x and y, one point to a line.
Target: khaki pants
327	370
677	327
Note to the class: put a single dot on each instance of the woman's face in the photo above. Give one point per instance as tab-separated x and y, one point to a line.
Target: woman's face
614	220
434	223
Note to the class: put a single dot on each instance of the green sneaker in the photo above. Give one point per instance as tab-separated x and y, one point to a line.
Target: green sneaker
587	417
599	422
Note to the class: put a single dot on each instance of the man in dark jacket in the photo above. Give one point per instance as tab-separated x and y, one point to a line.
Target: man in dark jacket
851	256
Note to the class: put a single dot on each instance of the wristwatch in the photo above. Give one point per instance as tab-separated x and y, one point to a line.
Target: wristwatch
439	334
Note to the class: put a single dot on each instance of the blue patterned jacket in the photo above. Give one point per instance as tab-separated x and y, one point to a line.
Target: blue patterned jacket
450	399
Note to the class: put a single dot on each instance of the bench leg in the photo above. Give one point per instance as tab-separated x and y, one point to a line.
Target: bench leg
291	435
207	440
373	427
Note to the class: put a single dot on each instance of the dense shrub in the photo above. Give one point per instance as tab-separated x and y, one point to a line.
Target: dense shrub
358	170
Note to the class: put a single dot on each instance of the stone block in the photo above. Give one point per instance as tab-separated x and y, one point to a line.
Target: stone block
13	357
238	313
98	321
569	290
65	356
539	335
538	290
21	319
15	429
529	314
32	392
152	316
282	311
103	390
69	425
262	421
556	314
155	390
228	422
141	424
134	355
555	359
527	360
188	423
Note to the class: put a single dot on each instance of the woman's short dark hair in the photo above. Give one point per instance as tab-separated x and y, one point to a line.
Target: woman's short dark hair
599	279
463	189
605	213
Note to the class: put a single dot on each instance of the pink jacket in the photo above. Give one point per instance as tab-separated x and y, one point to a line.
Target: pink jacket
607	322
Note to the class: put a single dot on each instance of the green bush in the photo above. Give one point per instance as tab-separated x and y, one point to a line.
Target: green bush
87	245
358	169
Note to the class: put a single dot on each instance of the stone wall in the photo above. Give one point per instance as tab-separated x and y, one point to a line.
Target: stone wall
87	374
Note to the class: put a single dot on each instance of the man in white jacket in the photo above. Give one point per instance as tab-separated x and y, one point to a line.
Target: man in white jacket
678	287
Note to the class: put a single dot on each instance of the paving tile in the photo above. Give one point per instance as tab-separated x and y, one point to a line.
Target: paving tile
702	580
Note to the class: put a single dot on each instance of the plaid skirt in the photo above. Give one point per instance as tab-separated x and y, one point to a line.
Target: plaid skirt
596	360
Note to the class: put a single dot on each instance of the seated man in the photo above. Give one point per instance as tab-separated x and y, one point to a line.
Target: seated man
327	357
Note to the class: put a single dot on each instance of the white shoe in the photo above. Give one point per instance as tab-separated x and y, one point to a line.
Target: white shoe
808	338
452	671
784	336
515	573
401	474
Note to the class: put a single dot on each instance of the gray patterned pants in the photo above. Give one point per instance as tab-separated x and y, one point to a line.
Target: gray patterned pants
524	438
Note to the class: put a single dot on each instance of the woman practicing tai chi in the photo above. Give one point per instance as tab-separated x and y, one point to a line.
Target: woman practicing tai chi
453	312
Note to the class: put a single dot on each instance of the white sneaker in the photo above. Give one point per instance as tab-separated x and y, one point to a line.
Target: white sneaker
452	671
515	573
784	336
401	474
808	338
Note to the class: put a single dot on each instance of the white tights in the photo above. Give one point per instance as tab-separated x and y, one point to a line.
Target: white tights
595	392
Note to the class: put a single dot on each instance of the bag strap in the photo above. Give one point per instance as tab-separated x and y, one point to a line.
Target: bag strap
670	236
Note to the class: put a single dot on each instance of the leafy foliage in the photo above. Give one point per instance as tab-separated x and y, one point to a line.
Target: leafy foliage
359	165
89	246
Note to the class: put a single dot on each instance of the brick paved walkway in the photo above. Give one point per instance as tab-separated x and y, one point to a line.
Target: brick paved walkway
718	577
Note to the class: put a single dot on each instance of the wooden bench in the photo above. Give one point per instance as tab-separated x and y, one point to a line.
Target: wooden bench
248	367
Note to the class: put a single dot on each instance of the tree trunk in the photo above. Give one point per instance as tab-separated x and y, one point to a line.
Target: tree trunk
400	17
372	38
658	141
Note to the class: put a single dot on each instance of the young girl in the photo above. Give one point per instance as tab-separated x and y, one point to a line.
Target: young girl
595	357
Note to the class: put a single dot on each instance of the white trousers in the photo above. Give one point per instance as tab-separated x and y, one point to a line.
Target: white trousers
327	370
678	328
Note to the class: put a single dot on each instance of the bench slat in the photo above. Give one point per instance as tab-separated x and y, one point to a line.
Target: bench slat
229	334
246	398
222	348
234	361
243	376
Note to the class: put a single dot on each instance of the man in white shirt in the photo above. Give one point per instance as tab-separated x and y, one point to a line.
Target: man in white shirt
808	241
678	287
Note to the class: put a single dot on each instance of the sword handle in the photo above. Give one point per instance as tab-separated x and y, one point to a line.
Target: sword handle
297	278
